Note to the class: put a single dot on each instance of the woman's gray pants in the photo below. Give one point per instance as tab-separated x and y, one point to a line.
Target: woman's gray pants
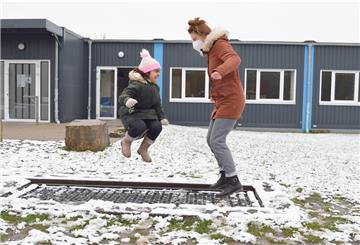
216	139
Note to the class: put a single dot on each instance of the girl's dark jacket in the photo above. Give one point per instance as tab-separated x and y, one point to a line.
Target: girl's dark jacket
148	97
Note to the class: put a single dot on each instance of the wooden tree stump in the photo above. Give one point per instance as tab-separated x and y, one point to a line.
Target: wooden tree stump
83	135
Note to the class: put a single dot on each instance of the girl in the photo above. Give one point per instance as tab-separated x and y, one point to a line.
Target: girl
226	93
141	112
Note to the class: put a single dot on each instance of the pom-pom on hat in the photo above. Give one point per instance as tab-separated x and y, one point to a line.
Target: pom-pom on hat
148	63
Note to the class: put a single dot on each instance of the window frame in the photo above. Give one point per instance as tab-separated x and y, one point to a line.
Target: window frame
259	100
183	98
334	102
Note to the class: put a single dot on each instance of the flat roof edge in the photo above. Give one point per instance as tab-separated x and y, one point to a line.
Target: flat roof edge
232	41
31	24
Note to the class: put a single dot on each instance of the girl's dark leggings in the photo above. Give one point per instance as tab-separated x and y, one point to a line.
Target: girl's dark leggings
138	127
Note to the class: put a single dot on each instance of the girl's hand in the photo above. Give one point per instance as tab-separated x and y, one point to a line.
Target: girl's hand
216	76
164	121
131	102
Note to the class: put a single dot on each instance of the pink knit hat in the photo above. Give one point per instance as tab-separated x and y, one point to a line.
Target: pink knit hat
148	63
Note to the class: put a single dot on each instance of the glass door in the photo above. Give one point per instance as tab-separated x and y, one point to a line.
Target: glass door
26	90
22	91
106	92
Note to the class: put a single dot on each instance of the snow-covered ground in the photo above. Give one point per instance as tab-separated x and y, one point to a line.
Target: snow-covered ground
310	185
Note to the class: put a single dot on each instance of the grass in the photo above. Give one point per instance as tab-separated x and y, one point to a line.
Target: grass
285	185
314	214
154	223
17	219
75	218
221	238
203	226
79	227
312	225
325	222
185	224
298	202
316	197
265	233
40	227
4	237
133	239
289	232
314	201
31	222
323	214
119	219
259	230
330	222
313	239
190	223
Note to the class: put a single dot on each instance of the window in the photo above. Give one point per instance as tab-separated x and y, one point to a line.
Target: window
251	85
289	87
344	86
176	83
339	88
189	85
326	86
270	86
195	84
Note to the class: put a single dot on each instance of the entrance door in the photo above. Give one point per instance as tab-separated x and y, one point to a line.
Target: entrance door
123	78
26	89
106	92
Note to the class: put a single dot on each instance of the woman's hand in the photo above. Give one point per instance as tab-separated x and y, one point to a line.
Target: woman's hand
216	76
164	121
131	102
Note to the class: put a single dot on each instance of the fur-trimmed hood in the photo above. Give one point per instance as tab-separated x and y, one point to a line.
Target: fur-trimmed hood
214	35
135	76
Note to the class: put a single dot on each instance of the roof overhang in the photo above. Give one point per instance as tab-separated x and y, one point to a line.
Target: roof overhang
43	24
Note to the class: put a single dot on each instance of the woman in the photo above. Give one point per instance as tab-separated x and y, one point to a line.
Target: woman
226	93
141	111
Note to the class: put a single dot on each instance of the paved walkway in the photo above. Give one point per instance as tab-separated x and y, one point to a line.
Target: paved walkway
43	131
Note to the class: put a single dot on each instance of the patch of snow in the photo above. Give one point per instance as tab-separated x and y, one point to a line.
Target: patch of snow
276	164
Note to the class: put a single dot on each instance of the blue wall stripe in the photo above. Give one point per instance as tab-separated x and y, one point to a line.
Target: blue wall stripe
311	85
303	121
158	55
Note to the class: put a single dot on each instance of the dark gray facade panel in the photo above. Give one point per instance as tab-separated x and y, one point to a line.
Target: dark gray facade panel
38	45
253	56
272	116
106	54
334	58
73	87
337	117
273	57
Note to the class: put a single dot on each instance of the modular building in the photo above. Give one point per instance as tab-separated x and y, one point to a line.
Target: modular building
51	74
